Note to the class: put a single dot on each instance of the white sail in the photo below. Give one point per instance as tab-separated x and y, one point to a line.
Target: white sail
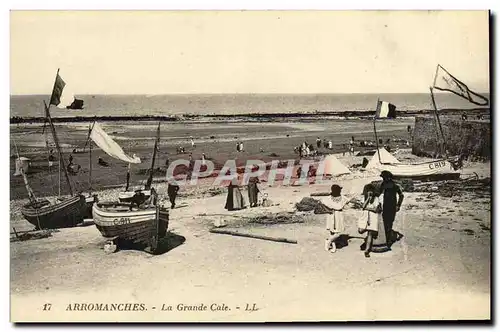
106	143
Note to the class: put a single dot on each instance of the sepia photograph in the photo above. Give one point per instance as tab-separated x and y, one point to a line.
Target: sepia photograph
250	166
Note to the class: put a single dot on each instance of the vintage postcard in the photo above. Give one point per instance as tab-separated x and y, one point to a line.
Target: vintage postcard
250	166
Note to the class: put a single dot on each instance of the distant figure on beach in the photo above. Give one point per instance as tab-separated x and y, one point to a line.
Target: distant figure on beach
70	158
311	149
393	198
371	219
351	142
464	116
365	162
172	191
351	149
408	128
241	147
318	142
192	142
253	191
101	162
234	200
335	226
51	158
238	146
330	144
167	163
203	158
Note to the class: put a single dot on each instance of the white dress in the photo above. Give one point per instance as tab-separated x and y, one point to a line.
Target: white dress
370	220
335	221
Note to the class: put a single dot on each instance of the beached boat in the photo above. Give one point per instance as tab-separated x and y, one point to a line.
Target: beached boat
128	196
441	169
64	213
145	226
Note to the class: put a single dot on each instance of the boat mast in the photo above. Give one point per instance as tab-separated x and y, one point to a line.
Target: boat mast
375	130
89	141
56	141
31	195
436	115
150	178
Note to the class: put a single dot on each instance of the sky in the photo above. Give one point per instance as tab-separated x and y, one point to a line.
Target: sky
163	52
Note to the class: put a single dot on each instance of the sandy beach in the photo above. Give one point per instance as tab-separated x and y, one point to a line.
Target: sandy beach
440	269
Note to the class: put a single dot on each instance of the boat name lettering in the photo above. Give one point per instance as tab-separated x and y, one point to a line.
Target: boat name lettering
121	221
437	164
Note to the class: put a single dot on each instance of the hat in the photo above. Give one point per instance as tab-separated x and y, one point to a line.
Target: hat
386	174
336	189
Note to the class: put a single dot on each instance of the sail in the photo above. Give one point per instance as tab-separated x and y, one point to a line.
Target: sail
106	143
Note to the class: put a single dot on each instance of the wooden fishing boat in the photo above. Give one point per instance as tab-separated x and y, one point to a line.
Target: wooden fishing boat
128	196
120	221
64	213
441	169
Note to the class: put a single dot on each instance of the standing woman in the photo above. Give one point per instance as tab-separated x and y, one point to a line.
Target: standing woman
371	220
393	198
253	191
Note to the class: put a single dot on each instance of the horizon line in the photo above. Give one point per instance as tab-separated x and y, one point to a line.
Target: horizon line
237	93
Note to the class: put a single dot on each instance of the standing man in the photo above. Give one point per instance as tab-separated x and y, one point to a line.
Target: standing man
391	205
318	142
172	193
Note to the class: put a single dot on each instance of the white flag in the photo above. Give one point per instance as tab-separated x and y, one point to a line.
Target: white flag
109	146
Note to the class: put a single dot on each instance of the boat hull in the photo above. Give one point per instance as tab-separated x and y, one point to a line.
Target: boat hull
67	213
139	226
441	169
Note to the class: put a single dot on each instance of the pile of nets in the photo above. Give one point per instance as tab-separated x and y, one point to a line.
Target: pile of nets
277	218
311	204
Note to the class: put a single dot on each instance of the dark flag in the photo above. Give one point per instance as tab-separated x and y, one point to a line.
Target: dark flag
444	81
59	85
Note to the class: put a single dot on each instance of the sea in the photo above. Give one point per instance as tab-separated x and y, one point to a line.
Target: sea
223	104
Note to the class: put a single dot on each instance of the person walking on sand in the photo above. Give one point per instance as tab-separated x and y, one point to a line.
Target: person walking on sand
371	218
318	142
192	142
393	198
336	203
172	191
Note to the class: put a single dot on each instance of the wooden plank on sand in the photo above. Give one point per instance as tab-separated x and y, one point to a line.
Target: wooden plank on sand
276	239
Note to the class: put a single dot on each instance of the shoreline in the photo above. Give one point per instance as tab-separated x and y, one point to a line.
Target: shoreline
303	116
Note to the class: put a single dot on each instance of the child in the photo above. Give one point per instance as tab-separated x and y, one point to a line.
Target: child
371	218
335	220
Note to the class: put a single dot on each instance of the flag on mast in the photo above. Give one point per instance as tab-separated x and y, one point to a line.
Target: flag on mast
385	110
62	98
444	81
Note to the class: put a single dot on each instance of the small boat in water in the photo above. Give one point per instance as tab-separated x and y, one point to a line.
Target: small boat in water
143	224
